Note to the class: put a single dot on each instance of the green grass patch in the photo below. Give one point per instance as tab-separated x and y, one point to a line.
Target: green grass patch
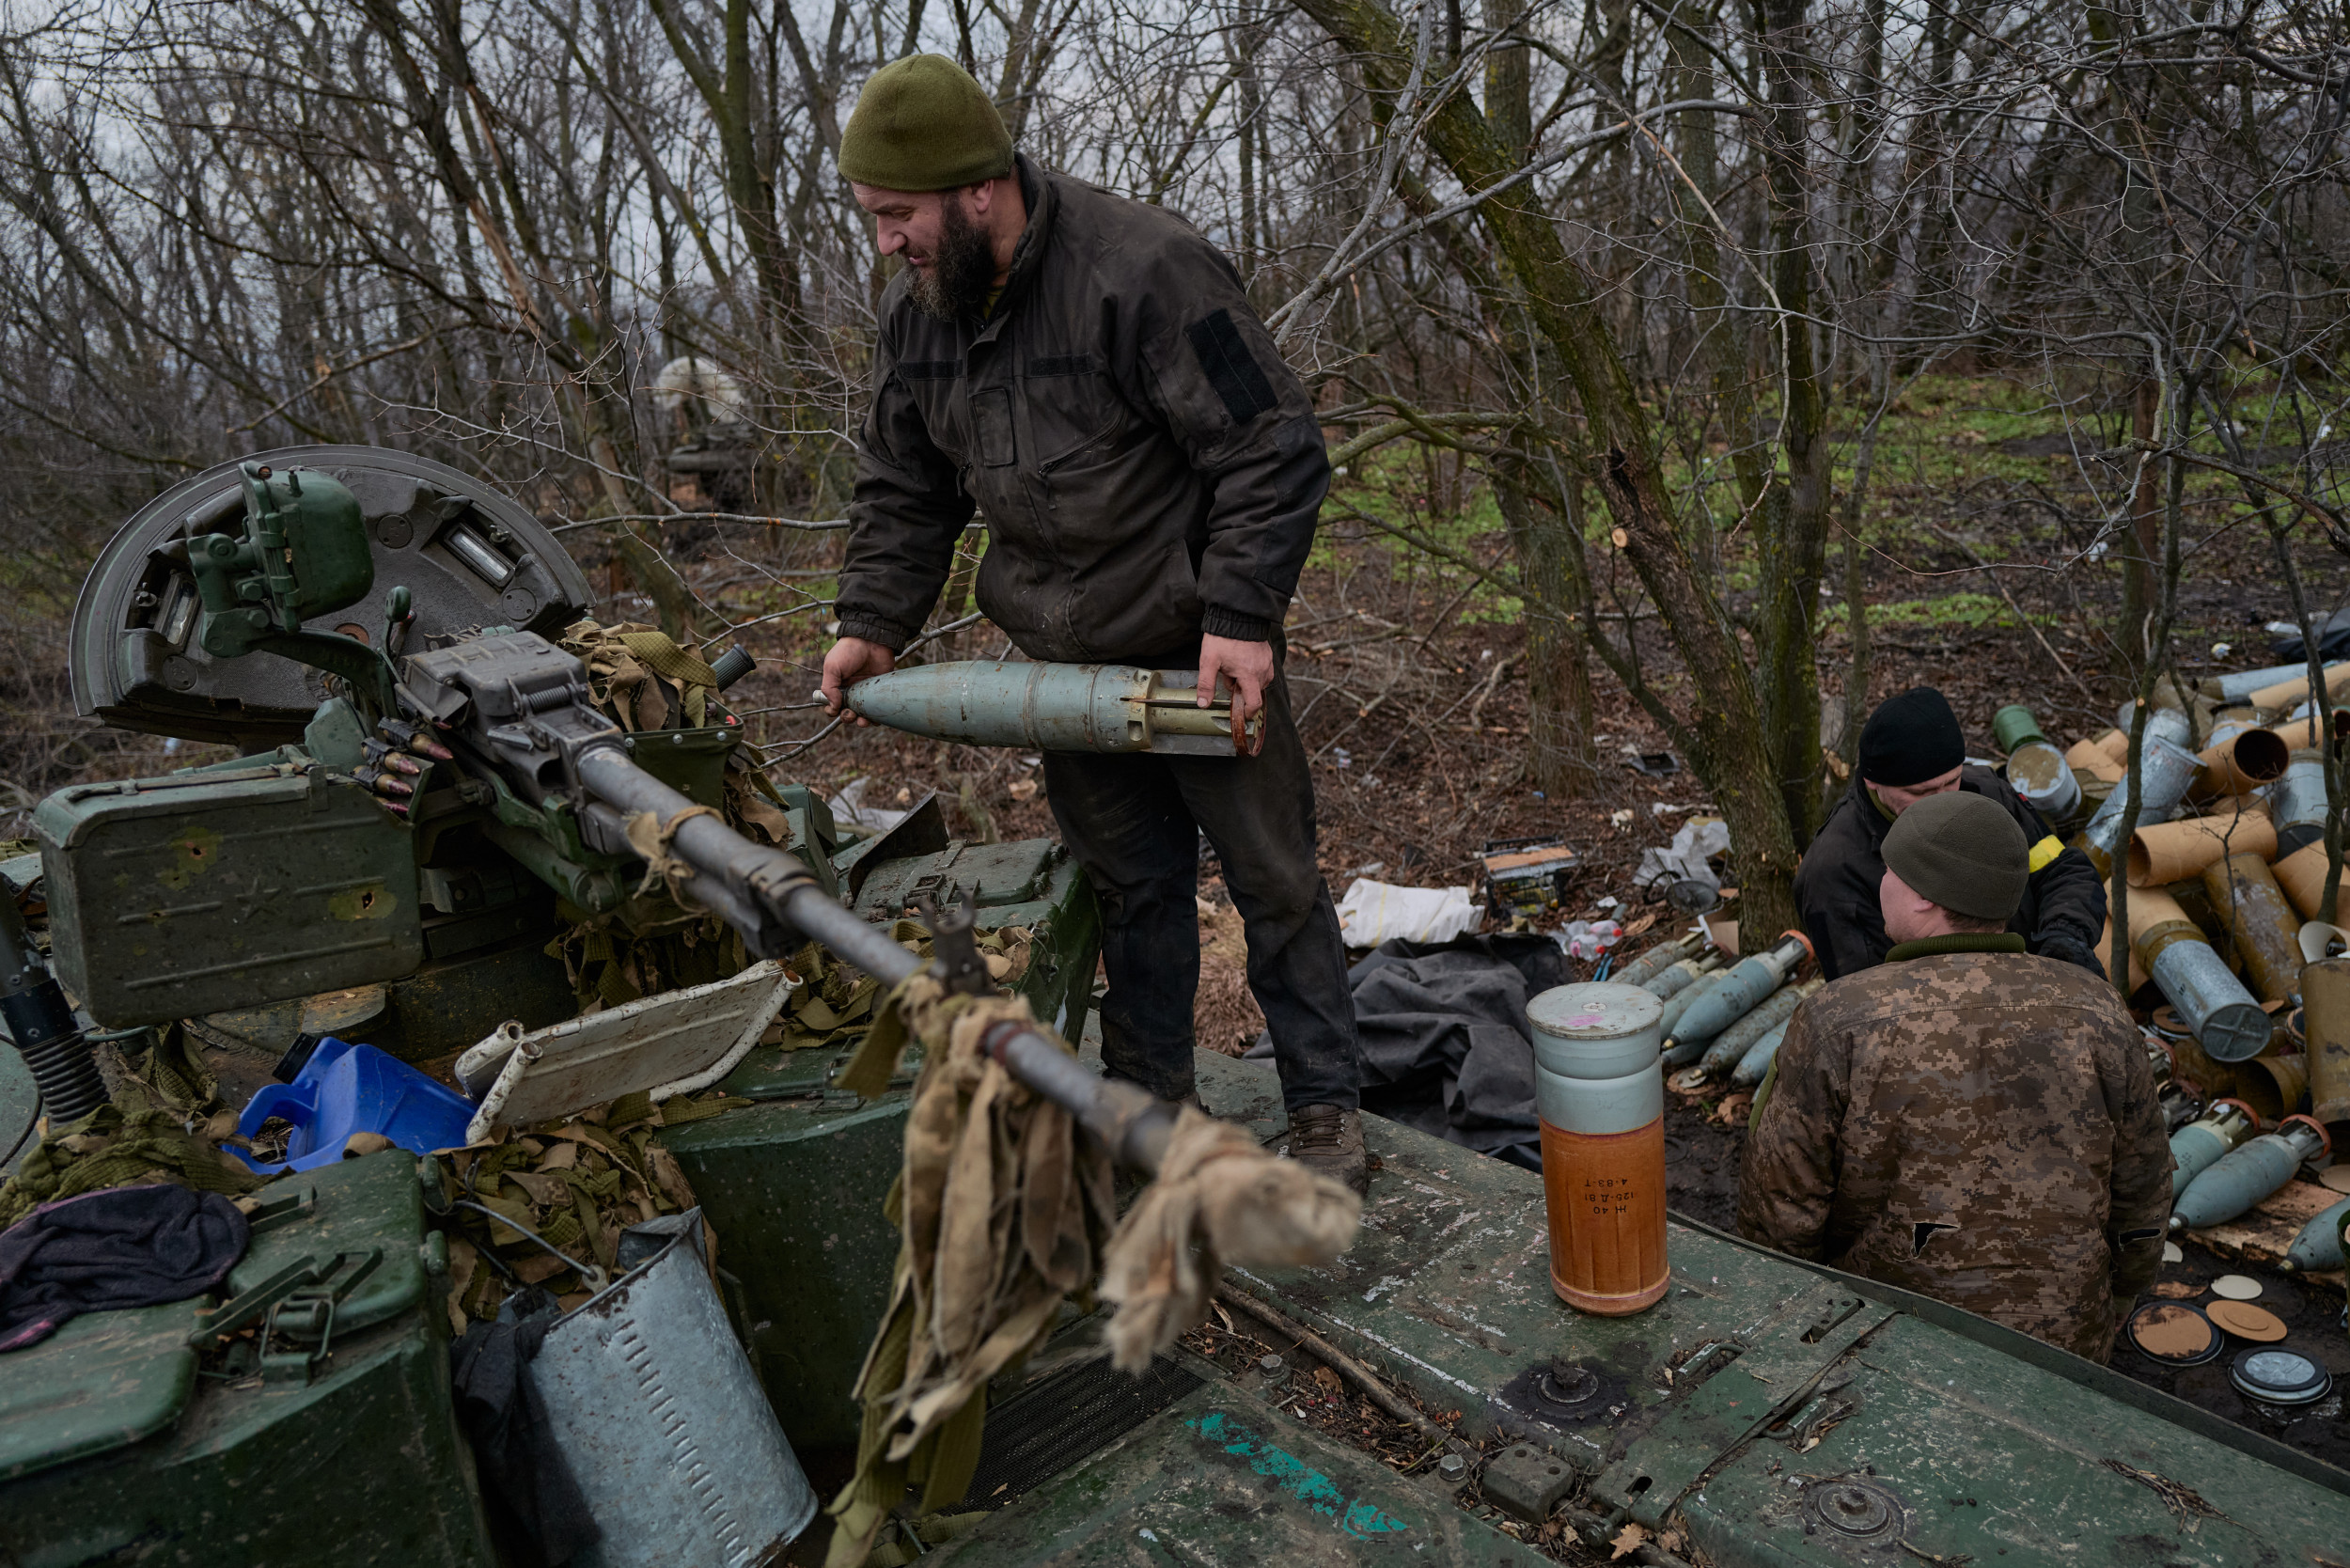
1971	611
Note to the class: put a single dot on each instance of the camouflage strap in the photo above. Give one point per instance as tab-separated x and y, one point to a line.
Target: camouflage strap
650	838
877	1055
659	653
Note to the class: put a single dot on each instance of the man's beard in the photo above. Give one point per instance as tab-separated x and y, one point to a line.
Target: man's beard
962	269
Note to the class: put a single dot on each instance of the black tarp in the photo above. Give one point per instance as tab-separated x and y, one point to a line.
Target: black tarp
1443	1031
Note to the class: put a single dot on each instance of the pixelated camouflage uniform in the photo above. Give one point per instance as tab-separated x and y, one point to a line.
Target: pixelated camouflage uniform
1977	1125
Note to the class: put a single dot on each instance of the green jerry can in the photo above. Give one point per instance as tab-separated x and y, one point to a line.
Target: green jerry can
792	1184
303	1416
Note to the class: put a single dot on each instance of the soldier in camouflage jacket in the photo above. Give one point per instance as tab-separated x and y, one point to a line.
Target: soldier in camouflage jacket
1966	1121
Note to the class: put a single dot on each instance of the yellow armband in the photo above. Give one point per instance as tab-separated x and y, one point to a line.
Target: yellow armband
2045	851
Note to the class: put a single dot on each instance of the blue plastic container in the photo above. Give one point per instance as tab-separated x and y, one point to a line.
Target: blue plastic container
346	1088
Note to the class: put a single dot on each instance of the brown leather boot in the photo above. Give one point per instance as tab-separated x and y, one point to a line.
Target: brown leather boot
1330	1141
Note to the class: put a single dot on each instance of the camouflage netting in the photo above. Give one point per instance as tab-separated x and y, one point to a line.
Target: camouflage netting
114	1148
643	680
165	1123
576	1184
579	1183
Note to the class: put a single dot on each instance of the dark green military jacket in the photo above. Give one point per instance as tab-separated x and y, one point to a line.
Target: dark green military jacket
1979	1126
1148	465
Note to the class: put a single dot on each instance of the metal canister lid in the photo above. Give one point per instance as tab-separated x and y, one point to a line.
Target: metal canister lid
2280	1377
1597	1029
2175	1334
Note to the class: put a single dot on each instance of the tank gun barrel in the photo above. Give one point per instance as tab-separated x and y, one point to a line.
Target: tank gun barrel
758	889
517	707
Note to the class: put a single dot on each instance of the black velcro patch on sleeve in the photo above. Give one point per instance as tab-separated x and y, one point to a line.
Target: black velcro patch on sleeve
1230	368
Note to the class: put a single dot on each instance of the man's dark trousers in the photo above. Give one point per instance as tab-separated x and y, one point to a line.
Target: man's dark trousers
1134	821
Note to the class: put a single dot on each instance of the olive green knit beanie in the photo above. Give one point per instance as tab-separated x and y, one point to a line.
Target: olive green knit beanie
923	124
1964	851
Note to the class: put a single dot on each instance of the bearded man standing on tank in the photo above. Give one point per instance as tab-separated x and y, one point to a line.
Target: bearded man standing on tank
1912	749
1085	372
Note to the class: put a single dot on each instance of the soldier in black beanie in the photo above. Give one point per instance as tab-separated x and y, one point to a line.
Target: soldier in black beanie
1912	749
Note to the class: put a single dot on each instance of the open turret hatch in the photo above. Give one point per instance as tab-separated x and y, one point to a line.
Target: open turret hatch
469	556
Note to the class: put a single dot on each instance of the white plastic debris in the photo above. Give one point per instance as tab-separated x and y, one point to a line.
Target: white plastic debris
1685	859
849	808
1377	912
1587	939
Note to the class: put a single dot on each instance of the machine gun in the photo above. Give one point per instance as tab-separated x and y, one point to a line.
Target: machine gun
487	729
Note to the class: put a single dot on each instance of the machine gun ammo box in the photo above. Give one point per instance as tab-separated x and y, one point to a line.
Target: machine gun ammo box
328	1435
221	889
1526	876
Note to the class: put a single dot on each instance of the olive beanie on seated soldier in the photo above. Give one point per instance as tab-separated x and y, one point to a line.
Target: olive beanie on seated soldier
1963	851
1910	739
923	124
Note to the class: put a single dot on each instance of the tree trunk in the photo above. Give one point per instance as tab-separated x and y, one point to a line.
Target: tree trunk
1725	721
1559	674
1795	541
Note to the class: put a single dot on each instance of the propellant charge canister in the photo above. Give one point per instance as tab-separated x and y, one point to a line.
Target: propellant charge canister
2296	803
1743	987
2241	1177
2197	1146
2225	1019
1050	707
1601	1104
2165	771
2035	768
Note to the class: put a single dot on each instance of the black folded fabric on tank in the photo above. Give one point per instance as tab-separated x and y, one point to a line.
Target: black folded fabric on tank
112	1250
533	1502
1445	1046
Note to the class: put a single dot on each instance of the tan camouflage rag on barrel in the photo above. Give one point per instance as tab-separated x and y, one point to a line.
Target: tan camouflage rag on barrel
1003	1209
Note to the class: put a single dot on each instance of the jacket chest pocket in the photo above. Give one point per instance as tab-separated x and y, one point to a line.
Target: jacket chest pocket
1071	405
991	427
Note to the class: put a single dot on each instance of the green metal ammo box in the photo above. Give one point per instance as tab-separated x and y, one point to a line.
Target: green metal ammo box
223	889
119	1442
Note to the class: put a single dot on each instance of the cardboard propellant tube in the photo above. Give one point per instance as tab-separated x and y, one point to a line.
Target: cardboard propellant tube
2242	684
2137	976
2309	731
2325	1036
2273	1085
2240	761
2302	875
2173	852
2261	924
2285	693
2087	758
